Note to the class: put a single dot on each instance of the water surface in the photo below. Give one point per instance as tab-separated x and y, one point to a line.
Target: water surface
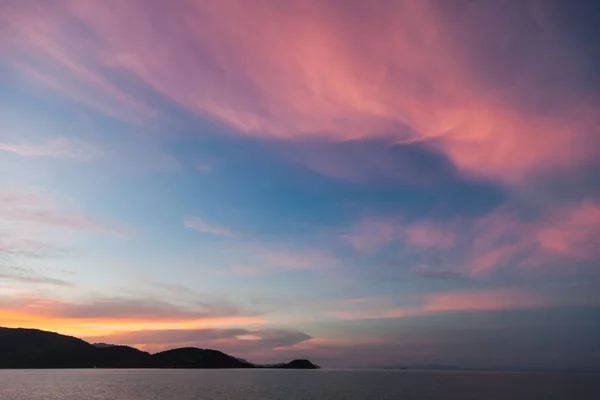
100	384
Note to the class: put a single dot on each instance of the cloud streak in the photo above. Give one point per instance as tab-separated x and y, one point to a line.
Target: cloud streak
484	300
256	259
107	314
238	341
457	301
481	246
202	226
22	275
59	147
289	72
33	209
34	228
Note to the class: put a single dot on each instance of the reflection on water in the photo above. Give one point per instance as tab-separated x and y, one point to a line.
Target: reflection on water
101	384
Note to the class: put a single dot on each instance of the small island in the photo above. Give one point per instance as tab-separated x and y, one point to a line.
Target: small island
31	348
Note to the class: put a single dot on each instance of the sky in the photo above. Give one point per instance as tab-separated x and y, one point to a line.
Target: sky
361	183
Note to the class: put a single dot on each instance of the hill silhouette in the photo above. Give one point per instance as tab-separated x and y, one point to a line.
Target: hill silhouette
191	357
32	348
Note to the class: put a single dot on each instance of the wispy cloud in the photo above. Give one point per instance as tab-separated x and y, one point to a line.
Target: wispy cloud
107	314
372	233
204	167
16	251
202	226
575	231
479	246
502	238
127	153
24	275
485	300
35	227
130	309
426	235
255	259
36	208
305	81
237	341
59	147
488	299
426	271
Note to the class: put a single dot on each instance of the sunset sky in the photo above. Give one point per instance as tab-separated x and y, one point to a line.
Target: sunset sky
363	183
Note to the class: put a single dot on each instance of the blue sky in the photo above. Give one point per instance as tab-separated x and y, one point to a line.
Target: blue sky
379	184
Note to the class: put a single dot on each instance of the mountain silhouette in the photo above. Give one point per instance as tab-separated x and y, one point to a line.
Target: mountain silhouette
32	348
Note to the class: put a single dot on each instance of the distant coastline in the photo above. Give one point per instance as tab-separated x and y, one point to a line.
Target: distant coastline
32	348
37	349
453	368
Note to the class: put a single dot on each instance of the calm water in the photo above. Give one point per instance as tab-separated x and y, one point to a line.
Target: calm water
291	385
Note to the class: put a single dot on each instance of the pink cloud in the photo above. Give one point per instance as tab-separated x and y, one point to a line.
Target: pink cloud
426	235
59	147
202	226
105	315
576	231
492	299
63	219
257	259
29	212
67	64
564	233
494	240
479	247
404	71
233	340
484	300
359	161
368	308
123	154
372	233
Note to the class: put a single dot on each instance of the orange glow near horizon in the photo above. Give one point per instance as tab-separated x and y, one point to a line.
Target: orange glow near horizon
99	327
29	312
318	177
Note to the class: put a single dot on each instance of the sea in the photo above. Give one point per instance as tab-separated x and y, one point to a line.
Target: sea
162	384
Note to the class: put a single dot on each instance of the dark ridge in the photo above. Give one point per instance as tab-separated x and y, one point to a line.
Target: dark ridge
121	357
299	364
32	348
102	345
191	357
